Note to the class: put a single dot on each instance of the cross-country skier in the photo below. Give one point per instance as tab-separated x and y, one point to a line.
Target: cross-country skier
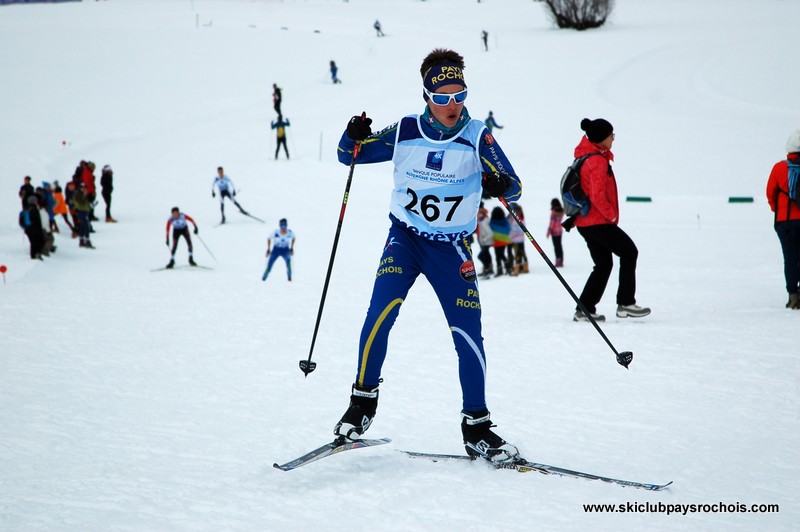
180	229
277	98
280	131
226	190
283	248
442	161
491	123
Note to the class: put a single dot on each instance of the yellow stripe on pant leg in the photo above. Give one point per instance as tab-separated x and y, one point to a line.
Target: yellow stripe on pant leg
371	337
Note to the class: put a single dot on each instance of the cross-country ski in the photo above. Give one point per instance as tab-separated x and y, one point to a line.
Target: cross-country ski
524	466
337	446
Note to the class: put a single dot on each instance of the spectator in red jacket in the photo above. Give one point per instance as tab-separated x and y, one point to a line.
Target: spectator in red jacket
787	216
600	226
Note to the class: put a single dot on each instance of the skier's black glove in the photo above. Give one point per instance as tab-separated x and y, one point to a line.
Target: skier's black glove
167	241
496	184
358	127
213	194
196	230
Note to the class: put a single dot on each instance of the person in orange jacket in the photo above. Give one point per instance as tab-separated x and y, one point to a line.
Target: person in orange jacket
599	227
61	204
787	214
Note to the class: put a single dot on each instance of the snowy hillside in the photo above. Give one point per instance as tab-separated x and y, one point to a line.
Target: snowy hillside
133	399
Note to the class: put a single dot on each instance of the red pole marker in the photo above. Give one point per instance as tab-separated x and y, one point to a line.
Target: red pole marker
3	270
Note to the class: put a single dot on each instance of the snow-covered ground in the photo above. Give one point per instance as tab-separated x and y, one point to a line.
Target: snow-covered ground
140	400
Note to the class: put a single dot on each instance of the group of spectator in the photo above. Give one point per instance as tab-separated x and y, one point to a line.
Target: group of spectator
75	203
501	233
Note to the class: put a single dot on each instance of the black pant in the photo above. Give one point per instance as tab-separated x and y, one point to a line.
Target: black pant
281	142
789	235
557	247
501	259
107	199
36	239
177	233
485	257
603	241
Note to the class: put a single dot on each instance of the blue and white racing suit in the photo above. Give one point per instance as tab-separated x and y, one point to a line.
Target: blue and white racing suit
434	205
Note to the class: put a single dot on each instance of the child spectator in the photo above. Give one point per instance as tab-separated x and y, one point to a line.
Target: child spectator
556	230
501	230
518	255
485	241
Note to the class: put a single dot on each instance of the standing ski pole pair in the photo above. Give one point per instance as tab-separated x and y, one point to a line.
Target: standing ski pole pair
624	358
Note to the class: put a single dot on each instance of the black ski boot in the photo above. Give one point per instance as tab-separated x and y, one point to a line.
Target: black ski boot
191	261
359	415
480	441
171	264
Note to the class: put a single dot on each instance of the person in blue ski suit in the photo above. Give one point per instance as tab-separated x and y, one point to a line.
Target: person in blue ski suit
283	248
226	189
444	162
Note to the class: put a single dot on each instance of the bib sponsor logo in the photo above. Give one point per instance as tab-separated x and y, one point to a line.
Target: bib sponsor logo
435	159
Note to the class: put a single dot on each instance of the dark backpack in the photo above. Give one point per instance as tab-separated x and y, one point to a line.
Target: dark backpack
794	182
573	197
24	219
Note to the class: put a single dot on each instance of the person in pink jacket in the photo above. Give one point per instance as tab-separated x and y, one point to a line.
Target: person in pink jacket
555	230
599	227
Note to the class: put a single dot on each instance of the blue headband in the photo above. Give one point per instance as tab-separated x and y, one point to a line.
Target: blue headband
441	75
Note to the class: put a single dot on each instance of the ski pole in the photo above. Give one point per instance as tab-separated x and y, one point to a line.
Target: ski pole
624	358
204	245
306	366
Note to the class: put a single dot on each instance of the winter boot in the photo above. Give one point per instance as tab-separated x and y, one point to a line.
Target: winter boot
794	301
580	316
632	311
559	263
525	267
89	244
171	264
110	220
191	261
359	415
480	441
82	243
516	270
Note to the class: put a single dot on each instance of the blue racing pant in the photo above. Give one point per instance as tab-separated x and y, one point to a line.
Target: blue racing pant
286	255
449	268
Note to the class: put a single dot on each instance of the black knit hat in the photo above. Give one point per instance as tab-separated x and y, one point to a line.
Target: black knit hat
597	130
